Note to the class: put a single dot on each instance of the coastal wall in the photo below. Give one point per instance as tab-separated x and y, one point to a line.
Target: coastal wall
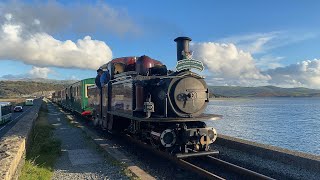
13	144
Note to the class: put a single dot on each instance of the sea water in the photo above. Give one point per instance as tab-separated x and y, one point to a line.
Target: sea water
291	123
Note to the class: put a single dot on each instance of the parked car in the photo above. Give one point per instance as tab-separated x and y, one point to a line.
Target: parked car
18	109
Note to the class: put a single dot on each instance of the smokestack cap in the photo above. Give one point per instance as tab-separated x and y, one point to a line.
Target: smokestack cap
182	46
182	39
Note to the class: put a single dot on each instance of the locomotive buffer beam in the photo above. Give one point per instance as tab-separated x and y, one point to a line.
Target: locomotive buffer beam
196	154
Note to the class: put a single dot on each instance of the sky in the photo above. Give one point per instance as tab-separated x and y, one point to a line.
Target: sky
241	43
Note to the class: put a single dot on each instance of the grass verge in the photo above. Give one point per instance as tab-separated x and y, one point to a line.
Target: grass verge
42	151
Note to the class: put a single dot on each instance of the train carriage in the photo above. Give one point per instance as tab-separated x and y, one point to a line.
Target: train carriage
64	97
54	97
75	97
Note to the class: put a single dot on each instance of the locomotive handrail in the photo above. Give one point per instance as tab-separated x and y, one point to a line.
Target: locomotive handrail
140	77
121	81
121	78
204	117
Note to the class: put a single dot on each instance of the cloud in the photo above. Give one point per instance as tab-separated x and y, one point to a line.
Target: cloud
302	74
53	17
263	42
228	63
73	77
35	72
38	72
253	43
42	49
269	62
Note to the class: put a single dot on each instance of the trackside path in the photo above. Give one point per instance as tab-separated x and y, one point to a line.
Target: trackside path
80	159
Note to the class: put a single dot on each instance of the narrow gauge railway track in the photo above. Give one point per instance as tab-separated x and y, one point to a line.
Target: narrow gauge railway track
238	169
221	169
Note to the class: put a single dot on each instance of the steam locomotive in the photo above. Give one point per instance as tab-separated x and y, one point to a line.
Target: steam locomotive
161	107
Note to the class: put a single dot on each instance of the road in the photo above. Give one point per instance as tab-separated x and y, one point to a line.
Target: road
16	116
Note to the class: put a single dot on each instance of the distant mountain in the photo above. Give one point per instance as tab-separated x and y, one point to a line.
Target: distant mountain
43	80
263	91
31	87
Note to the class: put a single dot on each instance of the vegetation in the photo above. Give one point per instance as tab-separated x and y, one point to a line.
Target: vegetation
20	88
42	151
263	91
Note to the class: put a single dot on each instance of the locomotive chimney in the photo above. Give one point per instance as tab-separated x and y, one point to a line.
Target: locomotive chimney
182	45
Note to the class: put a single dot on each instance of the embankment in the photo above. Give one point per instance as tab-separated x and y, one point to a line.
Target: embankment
13	144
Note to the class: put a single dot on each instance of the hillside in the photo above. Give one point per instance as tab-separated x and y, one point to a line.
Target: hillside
43	80
25	88
263	91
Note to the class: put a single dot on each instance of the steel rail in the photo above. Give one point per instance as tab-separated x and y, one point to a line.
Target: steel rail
238	169
200	171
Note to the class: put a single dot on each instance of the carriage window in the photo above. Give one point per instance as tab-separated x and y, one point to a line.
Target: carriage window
86	89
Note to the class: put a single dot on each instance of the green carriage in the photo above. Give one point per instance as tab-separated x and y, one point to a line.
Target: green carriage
77	95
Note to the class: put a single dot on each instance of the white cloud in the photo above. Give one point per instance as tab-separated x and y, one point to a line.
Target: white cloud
38	72
10	33
8	17
41	49
263	42
229	65
253	43
73	77
26	32
53	17
228	62
35	72
36	21
301	74
269	62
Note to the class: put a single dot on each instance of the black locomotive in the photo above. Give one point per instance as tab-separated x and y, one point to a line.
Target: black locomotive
161	107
